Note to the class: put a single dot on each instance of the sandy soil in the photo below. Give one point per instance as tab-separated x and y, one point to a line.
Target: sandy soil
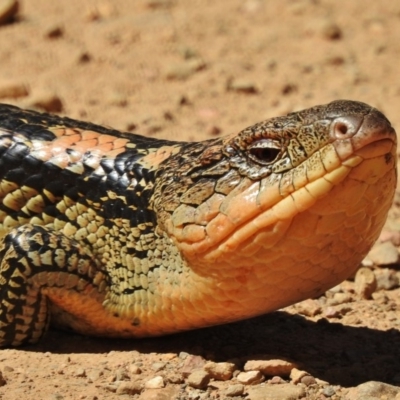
191	70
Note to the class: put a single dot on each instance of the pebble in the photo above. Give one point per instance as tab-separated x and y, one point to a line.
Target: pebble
80	372
13	90
250	377
2	380
373	391
309	308
183	355
117	99
109	387
384	254
160	394
330	30
213	130
341	298
365	283
296	375
155	383
234	390
191	363
386	279
198	379
184	70
8	10
328	391
94	374
389	235
56	396
308	380
271	367
285	391
121	375
242	86
129	388
54	31
134	369
220	371
159	3
158	366
48	102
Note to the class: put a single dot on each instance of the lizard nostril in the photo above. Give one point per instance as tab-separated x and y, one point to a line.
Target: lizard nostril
341	128
345	127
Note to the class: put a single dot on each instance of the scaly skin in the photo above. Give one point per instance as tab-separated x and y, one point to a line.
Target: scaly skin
114	234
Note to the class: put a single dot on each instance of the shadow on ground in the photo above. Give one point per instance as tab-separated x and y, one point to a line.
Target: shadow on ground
333	352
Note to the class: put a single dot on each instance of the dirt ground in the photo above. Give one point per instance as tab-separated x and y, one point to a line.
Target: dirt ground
190	70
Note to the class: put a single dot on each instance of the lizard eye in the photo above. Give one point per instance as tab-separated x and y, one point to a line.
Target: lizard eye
265	151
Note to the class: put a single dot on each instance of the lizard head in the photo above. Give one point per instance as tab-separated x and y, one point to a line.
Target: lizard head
292	202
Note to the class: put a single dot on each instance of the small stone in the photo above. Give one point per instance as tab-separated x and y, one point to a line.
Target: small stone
2	380
198	379
183	355
13	90
56	396
365	283
296	375
129	388
214	130
83	57
155	383
250	377
122	375
175	378
110	387
328	391
134	370
117	99
276	380
332	312
220	371
158	366
389	235
80	372
341	298
373	390
184	69
330	30
167	393
8	10
159	3
48	102
234	390
308	380
289	88
94	374
285	391
54	31
386	279
242	86
309	308
380	297
271	367
191	363
384	254
188	52
7	368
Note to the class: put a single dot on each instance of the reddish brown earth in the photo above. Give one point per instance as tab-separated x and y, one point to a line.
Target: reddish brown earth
190	70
